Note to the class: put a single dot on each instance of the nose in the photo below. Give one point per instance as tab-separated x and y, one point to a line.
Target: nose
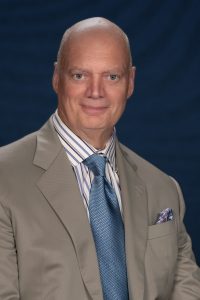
95	88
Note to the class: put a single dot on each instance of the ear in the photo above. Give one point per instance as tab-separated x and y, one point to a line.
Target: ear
55	78
131	81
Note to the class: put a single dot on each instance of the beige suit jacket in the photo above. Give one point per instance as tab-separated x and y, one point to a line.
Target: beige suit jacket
47	250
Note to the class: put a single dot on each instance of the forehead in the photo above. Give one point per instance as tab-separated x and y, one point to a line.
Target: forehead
96	47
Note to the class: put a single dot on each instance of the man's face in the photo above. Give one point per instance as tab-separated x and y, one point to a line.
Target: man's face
93	84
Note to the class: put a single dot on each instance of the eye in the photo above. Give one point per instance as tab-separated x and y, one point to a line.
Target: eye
113	77
78	76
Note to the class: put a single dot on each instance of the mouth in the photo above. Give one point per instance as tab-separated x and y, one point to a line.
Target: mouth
94	110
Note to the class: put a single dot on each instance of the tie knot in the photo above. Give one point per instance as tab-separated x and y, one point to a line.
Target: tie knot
96	164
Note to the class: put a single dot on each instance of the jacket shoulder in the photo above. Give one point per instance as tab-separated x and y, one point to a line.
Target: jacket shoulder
24	148
19	149
145	169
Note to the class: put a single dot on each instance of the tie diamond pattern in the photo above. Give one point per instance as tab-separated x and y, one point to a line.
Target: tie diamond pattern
108	232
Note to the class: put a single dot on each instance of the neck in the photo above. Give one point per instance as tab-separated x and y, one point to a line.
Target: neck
96	138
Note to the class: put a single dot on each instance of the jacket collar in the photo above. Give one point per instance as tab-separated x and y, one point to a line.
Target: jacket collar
59	186
134	202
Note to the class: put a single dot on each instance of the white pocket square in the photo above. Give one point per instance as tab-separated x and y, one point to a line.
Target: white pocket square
164	216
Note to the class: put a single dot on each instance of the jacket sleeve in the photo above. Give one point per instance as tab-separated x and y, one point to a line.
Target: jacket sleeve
9	286
187	276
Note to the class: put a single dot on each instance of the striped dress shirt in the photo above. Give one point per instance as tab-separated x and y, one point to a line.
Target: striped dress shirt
78	150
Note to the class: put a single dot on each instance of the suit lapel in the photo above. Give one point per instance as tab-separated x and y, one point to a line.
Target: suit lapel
59	186
134	204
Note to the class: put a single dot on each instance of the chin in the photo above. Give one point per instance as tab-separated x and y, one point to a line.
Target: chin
97	122
94	124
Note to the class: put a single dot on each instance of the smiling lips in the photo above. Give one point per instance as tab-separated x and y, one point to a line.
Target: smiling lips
94	110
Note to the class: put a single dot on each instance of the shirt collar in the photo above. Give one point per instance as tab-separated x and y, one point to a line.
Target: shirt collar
77	149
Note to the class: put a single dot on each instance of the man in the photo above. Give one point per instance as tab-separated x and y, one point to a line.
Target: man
82	216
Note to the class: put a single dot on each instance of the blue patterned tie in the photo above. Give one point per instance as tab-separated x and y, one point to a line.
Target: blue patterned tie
108	232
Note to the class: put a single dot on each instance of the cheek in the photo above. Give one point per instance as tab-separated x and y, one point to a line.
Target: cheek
116	112
119	104
68	97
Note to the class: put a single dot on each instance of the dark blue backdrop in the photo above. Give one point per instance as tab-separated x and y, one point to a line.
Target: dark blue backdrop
161	122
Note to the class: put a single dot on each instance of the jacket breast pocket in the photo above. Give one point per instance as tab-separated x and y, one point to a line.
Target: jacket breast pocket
161	230
161	256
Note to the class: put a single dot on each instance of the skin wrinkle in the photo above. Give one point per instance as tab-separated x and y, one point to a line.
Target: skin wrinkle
93	79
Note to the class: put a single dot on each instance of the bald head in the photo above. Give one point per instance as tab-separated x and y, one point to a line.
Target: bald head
93	79
97	29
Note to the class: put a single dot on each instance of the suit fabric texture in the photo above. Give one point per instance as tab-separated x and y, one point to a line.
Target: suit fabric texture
47	250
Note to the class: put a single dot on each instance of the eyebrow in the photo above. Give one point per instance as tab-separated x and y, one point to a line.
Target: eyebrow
112	70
